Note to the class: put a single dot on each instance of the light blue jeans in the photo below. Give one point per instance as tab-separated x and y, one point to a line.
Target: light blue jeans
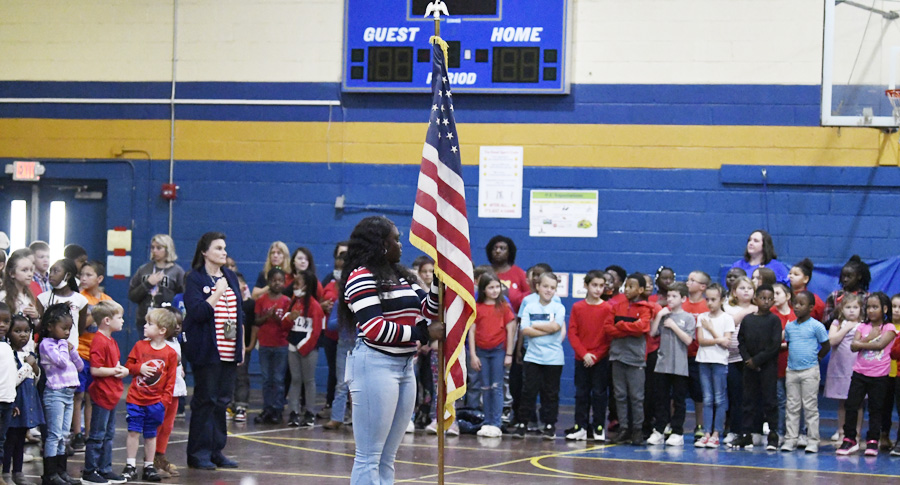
273	363
491	378
383	388
339	405
714	382
58	407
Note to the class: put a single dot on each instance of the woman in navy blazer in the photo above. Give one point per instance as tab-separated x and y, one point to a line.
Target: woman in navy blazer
213	344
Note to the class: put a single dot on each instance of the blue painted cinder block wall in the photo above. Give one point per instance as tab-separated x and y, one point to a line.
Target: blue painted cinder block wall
687	219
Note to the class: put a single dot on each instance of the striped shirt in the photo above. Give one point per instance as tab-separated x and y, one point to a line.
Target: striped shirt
225	311
387	322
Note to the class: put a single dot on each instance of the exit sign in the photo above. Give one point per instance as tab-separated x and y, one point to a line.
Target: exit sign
26	171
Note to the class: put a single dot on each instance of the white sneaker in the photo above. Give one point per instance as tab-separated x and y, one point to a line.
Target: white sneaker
836	436
656	438
453	430
803	441
675	440
432	427
27	458
411	427
765	429
729	438
759	439
601	436
488	431
579	435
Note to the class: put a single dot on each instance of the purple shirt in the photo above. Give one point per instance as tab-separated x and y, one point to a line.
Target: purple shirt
61	365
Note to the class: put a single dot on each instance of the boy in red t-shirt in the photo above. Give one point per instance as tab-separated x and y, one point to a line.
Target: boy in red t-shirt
273	346
697	283
153	363
591	348
105	392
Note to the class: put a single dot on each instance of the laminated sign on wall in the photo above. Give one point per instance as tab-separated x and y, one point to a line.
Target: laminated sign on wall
563	213
500	182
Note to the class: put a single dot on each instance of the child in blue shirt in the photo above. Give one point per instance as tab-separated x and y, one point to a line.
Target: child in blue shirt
803	337
543	327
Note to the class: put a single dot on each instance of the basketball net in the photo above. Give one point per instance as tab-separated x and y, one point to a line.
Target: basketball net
893	96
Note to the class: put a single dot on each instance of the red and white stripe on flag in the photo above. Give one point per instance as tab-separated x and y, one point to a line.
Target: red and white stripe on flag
440	228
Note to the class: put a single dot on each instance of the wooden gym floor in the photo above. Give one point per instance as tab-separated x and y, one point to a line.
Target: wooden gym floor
273	455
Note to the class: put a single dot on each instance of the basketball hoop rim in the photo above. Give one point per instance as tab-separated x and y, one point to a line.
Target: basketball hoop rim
892	93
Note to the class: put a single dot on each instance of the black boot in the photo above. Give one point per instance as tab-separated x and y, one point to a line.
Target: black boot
61	464
50	476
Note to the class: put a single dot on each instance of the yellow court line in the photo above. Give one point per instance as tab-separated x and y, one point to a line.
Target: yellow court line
536	462
301	448
511	462
749	467
402	445
290	474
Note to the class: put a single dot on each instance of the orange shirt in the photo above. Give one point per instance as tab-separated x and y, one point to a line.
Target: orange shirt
85	338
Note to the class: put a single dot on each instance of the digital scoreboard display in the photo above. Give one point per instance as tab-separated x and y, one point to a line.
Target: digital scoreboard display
496	46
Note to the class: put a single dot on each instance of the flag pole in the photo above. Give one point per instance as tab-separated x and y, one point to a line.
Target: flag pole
435	8
442	387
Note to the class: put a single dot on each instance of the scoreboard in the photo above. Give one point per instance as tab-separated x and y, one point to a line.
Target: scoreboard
496	46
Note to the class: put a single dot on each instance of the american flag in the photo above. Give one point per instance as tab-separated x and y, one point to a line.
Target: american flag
440	227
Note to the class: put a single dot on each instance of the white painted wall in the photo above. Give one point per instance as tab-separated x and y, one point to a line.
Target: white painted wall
633	41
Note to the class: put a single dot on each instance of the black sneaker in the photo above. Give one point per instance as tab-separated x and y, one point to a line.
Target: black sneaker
571	430
78	442
130	472
93	477
308	420
549	432
275	417
149	474
294	420
772	444
519	430
113	477
637	438
744	441
262	417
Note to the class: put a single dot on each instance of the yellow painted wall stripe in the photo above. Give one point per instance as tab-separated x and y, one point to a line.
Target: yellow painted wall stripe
546	145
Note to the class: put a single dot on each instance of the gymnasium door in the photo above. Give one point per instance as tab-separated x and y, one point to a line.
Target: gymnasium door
57	211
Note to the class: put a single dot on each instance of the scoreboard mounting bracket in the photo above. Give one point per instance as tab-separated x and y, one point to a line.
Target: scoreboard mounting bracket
496	46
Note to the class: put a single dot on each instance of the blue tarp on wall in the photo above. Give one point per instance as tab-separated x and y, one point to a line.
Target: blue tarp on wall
825	278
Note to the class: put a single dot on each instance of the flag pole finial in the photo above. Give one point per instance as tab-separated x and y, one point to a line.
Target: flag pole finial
436	8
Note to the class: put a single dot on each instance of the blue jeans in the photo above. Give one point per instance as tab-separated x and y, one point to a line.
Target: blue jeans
383	388
339	404
272	366
714	381
98	450
58	407
473	397
491	379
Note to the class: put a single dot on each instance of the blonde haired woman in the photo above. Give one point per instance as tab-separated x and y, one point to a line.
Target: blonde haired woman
278	257
158	281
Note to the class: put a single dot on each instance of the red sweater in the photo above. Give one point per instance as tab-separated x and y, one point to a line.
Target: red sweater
627	318
303	332
586	332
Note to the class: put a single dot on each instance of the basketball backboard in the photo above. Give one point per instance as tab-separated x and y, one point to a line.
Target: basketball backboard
861	59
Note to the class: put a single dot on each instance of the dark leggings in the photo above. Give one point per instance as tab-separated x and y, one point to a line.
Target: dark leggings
14	449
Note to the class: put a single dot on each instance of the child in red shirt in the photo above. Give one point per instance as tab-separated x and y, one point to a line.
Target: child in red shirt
591	348
273	346
303	322
492	343
153	363
105	391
